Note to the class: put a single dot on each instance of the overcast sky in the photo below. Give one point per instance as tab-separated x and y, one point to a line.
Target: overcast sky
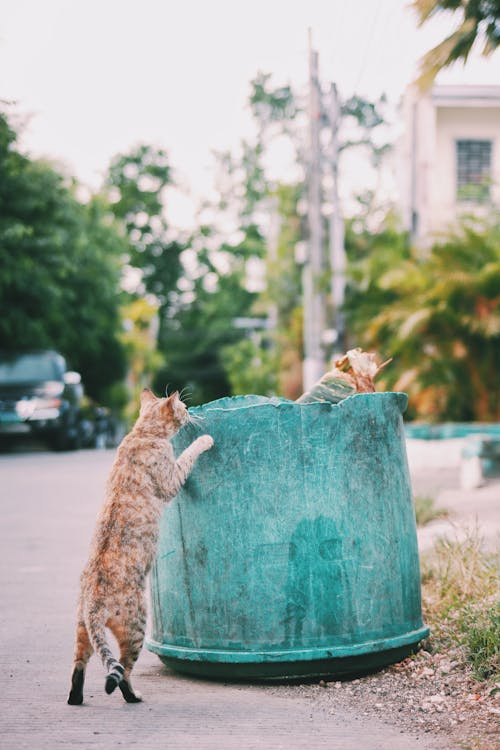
96	77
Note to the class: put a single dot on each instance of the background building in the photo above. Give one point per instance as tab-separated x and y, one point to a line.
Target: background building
449	156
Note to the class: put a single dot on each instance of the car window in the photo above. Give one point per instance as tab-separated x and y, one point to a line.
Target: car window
29	368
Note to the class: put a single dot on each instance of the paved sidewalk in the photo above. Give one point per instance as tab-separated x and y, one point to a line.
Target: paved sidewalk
49	503
435	471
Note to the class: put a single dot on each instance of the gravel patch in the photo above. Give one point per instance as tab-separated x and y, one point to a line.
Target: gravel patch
427	693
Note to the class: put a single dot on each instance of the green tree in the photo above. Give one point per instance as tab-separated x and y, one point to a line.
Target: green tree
90	310
283	293
372	257
202	321
437	315
203	337
271	105
135	188
277	115
139	336
60	269
479	20
267	359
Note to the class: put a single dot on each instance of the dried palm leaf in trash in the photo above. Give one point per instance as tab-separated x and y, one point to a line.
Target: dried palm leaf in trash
353	372
330	388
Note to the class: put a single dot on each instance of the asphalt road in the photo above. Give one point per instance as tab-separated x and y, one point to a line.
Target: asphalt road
48	507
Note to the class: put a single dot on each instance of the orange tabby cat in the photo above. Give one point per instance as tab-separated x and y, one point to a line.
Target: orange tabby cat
144	476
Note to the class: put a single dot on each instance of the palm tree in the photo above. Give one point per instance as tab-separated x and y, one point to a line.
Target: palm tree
441	324
480	20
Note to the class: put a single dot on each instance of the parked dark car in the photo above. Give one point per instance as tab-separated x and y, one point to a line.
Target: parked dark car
39	395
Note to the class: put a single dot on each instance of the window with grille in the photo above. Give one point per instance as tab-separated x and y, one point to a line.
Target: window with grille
473	170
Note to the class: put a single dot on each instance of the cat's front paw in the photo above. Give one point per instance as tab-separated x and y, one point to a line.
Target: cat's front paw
205	442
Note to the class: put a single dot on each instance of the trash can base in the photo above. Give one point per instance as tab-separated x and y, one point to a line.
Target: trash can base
283	665
328	669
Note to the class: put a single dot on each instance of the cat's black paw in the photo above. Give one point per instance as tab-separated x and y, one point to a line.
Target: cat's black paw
75	699
112	683
76	692
130	695
134	698
114	677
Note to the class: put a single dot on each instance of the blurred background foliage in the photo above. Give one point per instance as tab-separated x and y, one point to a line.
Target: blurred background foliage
477	24
436	312
132	301
60	263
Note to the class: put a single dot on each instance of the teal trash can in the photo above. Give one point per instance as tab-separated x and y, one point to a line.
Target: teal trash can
291	551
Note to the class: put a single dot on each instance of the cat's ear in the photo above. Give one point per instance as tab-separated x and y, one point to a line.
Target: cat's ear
174	396
147	397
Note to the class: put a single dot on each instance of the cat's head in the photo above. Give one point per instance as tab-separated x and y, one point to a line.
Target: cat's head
162	416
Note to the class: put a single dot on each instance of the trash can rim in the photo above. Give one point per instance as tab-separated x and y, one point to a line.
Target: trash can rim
233	403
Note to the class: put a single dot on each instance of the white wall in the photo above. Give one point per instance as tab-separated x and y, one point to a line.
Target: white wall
426	153
453	123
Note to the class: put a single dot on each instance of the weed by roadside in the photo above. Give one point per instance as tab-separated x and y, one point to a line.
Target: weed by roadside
461	602
425	510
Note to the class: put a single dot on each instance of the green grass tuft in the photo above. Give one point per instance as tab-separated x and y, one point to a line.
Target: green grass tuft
425	510
460	597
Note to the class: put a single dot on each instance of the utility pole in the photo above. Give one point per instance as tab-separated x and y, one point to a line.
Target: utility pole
314	298
336	224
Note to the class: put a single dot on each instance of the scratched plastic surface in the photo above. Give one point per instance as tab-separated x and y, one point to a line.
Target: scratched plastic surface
291	551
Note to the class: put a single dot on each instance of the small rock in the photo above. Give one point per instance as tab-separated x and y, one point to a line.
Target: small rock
447	667
436	698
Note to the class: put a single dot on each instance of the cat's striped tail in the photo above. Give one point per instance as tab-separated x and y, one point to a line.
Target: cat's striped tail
114	676
95	622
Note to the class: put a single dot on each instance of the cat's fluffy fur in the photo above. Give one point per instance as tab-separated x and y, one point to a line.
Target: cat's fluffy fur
144	476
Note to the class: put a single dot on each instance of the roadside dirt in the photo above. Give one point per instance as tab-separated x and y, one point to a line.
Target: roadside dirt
428	693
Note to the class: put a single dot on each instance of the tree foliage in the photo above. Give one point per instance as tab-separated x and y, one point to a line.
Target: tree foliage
267	356
272	104
283	293
135	186
139	337
437	315
201	322
372	255
211	337
479	20
60	269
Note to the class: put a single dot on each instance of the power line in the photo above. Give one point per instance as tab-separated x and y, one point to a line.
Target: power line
338	35
368	45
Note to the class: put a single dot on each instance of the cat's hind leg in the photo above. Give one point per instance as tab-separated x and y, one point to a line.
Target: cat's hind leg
83	652
130	637
96	620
